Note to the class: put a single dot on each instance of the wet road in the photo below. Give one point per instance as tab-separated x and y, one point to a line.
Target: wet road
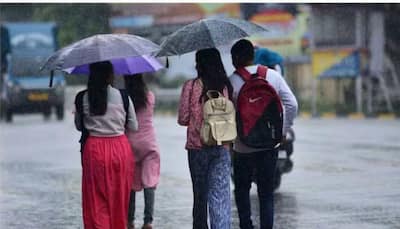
346	175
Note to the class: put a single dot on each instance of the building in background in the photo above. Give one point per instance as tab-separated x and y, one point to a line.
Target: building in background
334	54
288	29
349	59
289	36
156	21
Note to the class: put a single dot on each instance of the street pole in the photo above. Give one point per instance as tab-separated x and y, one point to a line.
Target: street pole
314	86
314	97
369	96
359	44
359	93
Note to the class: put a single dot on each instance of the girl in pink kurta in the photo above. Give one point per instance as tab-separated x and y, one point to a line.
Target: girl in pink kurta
144	145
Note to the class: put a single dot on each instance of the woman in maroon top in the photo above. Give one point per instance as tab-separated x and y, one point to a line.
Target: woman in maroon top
209	165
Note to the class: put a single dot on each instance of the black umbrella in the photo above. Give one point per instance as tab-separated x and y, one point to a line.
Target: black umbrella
207	33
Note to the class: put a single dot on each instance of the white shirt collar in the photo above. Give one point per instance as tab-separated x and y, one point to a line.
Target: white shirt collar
252	69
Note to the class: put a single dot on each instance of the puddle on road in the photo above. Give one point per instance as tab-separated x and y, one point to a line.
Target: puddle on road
375	147
388	162
331	169
35	196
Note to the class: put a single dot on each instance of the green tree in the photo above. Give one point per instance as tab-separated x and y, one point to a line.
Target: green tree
11	12
75	21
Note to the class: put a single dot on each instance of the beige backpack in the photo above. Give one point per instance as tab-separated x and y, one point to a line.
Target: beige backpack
219	121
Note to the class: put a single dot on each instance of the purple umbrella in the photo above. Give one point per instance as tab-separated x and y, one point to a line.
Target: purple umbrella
129	65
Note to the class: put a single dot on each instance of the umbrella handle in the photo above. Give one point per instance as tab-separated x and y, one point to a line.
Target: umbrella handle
51	78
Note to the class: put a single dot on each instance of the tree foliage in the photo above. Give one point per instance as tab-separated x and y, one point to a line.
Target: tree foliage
10	12
75	21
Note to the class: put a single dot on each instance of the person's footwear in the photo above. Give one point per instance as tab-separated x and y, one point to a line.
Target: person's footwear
131	226
147	226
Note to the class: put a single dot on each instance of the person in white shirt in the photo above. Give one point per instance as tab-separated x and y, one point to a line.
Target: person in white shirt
246	159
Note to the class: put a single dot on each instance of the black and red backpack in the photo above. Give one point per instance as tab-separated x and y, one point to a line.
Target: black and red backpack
259	111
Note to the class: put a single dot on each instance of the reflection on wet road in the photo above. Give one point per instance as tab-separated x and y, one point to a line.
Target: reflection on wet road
346	175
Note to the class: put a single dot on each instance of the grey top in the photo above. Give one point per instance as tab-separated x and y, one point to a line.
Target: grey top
279	84
112	123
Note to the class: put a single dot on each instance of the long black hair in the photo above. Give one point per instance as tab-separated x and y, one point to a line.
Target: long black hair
137	90
101	75
211	71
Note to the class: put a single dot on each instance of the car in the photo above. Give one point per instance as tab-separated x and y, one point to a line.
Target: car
24	88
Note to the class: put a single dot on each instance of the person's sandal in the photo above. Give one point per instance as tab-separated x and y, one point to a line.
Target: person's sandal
147	226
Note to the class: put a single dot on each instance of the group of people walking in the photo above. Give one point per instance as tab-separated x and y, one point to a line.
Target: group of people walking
120	155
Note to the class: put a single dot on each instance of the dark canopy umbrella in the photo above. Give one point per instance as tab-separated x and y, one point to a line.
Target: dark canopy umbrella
207	33
100	48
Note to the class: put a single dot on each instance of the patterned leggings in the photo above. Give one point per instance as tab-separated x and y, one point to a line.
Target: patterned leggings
210	170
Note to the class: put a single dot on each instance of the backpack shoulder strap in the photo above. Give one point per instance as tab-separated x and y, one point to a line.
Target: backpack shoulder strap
79	110
79	102
190	98
246	75
125	100
262	71
243	73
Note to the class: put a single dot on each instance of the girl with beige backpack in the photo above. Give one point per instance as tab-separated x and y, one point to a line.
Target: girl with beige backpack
207	111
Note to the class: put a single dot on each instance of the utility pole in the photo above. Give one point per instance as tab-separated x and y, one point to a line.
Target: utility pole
314	93
359	44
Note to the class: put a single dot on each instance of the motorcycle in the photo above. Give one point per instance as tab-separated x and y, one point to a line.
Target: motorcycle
284	162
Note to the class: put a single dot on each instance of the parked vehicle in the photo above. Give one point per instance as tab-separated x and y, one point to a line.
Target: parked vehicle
25	89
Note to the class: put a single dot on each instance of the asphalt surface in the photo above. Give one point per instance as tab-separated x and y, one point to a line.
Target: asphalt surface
346	175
